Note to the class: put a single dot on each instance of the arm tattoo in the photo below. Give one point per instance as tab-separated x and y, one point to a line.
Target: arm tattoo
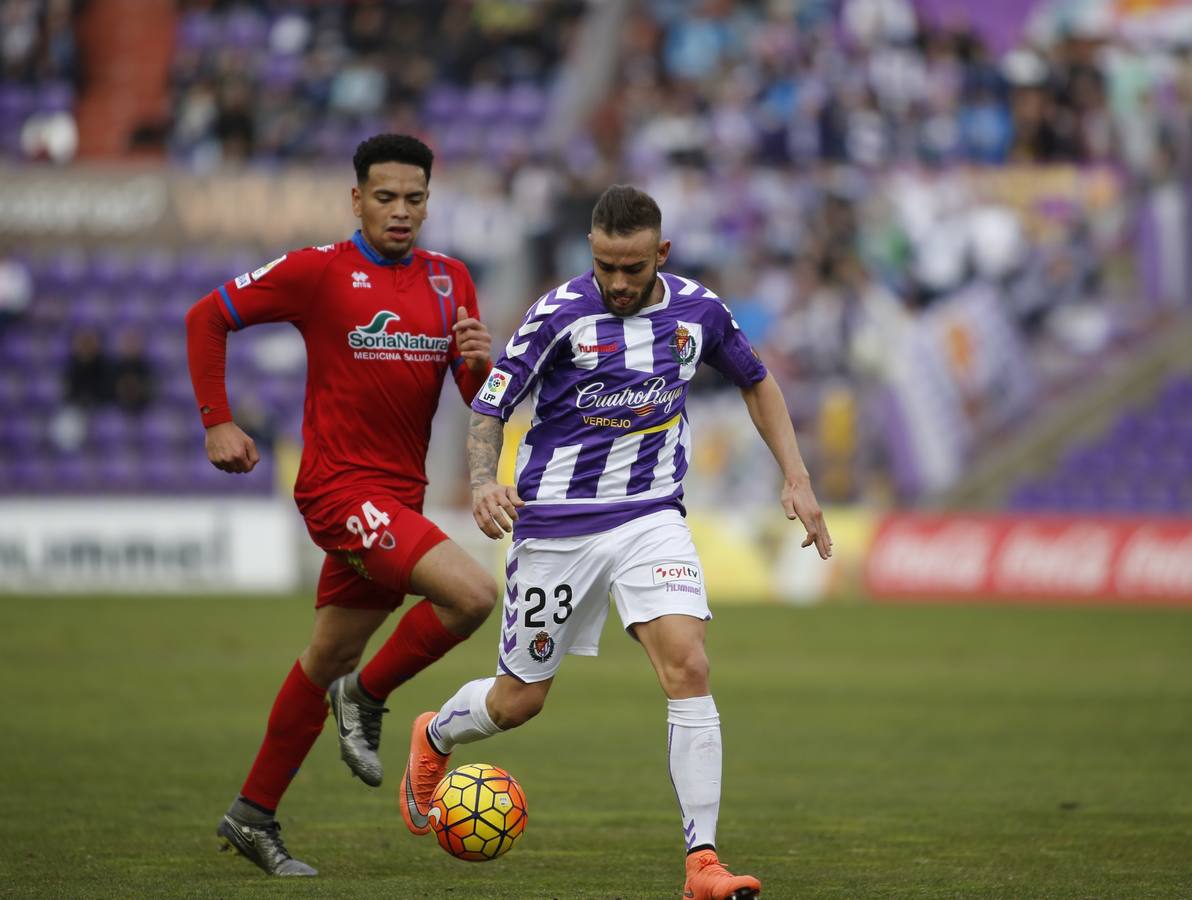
485	436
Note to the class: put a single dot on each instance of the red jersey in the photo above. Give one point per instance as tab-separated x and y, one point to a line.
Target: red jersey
378	345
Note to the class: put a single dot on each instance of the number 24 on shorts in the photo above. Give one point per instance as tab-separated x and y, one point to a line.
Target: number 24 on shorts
375	518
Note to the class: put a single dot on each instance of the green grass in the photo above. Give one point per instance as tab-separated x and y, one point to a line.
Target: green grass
869	752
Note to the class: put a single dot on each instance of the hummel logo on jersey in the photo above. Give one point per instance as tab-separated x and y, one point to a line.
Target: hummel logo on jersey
360	280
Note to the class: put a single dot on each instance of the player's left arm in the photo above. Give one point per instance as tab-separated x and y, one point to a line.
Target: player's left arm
767	408
473	345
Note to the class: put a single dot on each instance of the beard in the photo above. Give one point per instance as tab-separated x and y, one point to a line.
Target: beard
639	301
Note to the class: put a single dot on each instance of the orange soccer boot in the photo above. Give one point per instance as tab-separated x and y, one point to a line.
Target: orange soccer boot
424	770
707	879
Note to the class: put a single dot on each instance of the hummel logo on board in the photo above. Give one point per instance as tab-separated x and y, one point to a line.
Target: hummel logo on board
360	280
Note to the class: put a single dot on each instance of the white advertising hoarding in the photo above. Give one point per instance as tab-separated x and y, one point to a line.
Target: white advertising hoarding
172	545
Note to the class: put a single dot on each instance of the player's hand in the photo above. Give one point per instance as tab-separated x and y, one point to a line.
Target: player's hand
230	449
494	507
798	502
472	340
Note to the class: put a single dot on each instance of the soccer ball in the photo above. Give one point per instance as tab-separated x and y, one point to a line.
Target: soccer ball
478	812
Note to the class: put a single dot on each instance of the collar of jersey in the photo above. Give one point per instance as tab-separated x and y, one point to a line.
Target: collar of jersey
376	258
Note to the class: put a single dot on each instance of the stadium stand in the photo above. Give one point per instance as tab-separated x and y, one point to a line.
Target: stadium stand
829	168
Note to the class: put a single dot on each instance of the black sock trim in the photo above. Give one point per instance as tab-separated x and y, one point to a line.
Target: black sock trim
698	847
366	695
265	809
430	740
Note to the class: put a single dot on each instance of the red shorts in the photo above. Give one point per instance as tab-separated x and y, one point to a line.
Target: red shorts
373	543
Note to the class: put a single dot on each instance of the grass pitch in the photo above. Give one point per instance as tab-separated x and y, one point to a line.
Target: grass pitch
869	752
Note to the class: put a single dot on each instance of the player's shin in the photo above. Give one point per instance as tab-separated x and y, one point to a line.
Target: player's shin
694	752
464	718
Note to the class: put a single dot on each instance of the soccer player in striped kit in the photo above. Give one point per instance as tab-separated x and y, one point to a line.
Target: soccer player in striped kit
606	361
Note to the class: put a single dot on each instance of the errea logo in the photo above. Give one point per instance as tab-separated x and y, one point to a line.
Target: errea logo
360	280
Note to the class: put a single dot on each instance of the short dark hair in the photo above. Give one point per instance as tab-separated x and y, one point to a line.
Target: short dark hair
381	148
623	209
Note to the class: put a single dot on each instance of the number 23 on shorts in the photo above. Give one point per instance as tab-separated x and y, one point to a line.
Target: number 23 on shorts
368	528
536	603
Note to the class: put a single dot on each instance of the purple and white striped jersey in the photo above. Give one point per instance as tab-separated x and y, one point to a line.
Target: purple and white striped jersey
609	439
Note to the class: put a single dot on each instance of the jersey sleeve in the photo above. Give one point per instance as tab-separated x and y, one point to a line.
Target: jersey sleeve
729	351
468	382
279	291
527	355
206	351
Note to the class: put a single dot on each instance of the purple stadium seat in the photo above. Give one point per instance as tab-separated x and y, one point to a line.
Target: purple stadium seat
198	30
23	436
43	390
12	391
245	29
484	104
110	270
74	475
66	270
110	431
28	476
526	104
55	96
118	474
443	105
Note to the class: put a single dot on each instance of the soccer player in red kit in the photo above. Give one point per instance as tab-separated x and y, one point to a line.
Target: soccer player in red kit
384	322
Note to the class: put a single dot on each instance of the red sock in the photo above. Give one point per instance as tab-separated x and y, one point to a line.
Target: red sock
418	641
294	723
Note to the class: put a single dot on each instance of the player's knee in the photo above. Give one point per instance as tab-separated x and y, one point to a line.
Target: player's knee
475	602
686	675
509	709
323	663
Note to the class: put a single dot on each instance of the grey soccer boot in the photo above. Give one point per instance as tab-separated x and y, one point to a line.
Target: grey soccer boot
358	722
260	843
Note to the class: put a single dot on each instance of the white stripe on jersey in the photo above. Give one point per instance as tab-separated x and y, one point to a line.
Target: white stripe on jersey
614	481
639	344
584	337
664	470
687	370
556	479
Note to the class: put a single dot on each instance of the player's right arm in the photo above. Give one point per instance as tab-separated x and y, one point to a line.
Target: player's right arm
494	506
528	353
273	293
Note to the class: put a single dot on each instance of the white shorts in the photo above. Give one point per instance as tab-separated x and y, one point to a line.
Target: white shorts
557	590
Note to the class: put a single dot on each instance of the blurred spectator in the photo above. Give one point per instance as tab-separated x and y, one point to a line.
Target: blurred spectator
16	290
132	376
88	371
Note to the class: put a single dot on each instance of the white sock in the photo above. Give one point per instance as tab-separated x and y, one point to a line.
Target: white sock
694	752
464	718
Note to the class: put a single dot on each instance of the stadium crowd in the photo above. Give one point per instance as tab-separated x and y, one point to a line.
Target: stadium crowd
823	165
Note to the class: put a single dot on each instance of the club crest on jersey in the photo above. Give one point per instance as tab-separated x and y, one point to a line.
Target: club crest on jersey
442	284
682	345
542	647
360	280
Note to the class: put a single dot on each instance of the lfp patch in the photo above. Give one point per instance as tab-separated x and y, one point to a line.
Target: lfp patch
494	389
